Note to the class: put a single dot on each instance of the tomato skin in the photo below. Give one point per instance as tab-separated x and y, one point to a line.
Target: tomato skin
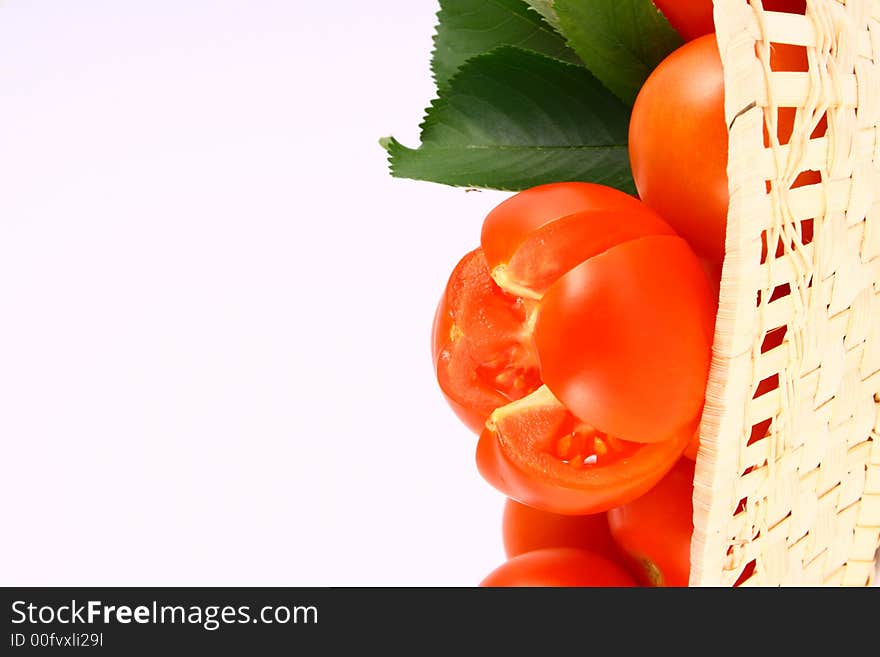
624	339
514	469
693	18
678	142
678	145
655	530
559	567
525	529
540	233
472	416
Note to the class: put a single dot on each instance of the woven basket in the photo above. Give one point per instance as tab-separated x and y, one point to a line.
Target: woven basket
787	484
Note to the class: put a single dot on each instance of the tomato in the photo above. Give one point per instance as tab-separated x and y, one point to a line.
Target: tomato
481	344
535	236
525	529
678	145
580	330
481	337
655	530
678	141
624	339
693	18
558	567
539	454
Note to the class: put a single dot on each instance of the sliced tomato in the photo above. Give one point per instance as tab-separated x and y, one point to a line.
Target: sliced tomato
537	453
537	235
624	339
481	343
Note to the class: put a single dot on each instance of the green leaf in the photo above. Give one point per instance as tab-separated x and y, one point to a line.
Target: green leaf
470	27
511	119
545	8
620	41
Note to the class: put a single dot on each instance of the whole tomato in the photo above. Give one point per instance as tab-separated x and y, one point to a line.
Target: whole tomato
559	567
693	18
655	529
678	142
525	529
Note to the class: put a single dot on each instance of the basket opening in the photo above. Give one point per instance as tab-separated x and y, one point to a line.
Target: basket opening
759	432
746	573
767	385
773	338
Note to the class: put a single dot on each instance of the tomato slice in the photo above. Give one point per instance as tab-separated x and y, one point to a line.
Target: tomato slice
536	452
481	343
537	235
624	339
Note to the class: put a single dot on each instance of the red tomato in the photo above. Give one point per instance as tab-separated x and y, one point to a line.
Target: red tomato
557	567
596	299
481	344
481	337
624	339
678	141
536	452
525	529
655	530
693	18
678	145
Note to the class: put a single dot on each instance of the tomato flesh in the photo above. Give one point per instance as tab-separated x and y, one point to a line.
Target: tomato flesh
481	343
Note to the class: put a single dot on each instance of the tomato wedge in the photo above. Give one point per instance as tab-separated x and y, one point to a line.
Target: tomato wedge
481	343
539	454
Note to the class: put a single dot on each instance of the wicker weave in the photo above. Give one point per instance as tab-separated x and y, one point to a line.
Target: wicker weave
798	502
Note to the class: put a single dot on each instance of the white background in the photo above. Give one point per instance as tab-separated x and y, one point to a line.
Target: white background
215	303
